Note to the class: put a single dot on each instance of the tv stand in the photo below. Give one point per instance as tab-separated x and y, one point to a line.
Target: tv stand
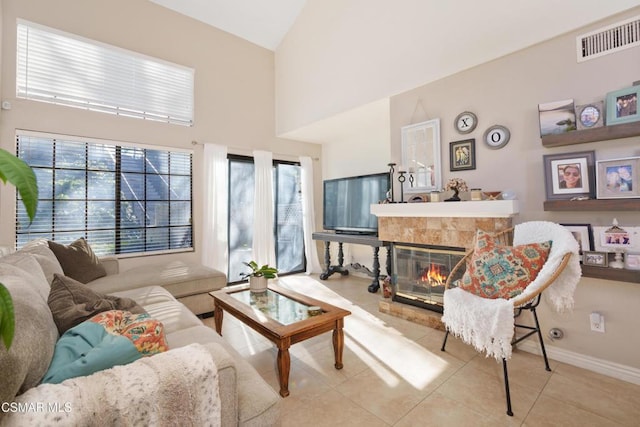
358	239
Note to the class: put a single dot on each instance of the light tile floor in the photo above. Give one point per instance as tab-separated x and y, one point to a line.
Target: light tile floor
395	375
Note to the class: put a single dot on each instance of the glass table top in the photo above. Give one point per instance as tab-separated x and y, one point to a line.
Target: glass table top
274	305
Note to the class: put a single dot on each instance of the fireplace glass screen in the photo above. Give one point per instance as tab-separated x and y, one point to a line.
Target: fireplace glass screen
420	274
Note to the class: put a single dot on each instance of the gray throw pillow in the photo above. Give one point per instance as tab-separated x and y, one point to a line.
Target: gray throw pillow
78	260
72	302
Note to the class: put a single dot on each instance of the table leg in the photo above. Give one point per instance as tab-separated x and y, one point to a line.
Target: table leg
338	342
217	317
284	366
327	262
375	284
328	268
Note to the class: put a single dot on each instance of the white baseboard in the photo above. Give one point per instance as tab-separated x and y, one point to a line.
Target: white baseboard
605	367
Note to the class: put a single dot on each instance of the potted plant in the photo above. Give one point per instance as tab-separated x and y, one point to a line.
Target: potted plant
18	173
259	276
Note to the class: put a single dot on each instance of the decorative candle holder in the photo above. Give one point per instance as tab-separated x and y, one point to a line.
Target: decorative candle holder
401	180
391	174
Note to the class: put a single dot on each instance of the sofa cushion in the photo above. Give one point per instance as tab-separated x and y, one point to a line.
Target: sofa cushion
495	271
78	260
108	339
24	365
178	277
39	248
72	302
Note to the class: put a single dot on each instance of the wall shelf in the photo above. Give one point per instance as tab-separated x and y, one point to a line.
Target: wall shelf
593	205
603	133
621	275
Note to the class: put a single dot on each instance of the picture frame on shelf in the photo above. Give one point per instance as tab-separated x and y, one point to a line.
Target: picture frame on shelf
618	178
557	117
596	259
622	105
590	116
569	175
462	155
632	261
583	233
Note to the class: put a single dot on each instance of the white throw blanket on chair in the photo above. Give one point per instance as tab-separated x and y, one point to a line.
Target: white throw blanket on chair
488	324
178	387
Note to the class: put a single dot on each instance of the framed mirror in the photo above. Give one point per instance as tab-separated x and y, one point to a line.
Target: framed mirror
421	156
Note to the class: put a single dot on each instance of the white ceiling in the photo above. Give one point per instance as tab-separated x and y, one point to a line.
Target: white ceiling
262	22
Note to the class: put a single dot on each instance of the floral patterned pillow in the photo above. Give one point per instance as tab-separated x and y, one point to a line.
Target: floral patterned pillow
495	271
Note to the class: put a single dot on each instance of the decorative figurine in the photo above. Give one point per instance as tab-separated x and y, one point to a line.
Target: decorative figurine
457	185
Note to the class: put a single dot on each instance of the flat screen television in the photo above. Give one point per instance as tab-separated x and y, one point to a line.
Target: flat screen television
347	203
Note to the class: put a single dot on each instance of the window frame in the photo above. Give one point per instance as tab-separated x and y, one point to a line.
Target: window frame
117	197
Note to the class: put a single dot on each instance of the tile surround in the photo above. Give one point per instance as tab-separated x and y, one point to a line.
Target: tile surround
440	231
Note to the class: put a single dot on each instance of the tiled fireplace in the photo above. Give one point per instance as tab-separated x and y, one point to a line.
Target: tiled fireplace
428	239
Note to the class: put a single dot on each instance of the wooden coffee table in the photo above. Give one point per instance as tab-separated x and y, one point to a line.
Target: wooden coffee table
280	315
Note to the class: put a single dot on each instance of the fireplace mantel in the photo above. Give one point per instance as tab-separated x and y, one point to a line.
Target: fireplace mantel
452	224
466	209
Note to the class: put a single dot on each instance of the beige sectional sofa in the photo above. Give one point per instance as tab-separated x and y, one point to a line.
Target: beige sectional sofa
246	399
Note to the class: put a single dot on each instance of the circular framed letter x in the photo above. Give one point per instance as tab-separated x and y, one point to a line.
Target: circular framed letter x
497	137
466	122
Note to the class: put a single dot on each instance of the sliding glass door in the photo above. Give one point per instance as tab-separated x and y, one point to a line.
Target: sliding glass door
287	225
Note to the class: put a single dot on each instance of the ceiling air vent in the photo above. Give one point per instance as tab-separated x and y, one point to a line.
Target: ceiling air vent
613	38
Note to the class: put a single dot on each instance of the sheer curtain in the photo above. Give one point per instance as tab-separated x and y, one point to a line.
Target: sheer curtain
308	215
215	207
264	248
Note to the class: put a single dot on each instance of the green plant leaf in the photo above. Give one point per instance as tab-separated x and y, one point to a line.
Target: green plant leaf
7	317
18	173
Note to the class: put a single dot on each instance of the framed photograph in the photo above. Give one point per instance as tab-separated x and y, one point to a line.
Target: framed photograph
598	259
462	155
622	106
618	178
590	116
557	117
632	261
583	235
616	239
569	175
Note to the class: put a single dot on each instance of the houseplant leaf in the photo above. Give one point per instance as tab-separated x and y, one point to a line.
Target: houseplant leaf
7	317
18	173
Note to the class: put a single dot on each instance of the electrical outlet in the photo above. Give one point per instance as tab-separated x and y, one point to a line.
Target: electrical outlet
597	322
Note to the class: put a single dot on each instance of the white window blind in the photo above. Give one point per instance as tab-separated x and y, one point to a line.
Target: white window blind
62	68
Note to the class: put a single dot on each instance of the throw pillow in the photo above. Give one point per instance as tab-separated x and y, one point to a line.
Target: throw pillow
495	271
72	302
78	260
45	257
31	269
106	340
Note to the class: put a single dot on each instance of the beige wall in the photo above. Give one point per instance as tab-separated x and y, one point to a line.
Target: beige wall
507	91
234	88
340	55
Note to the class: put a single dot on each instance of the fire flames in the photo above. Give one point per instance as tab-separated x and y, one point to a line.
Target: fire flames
433	275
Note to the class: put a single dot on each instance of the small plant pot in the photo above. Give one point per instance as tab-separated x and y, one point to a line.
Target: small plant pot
258	284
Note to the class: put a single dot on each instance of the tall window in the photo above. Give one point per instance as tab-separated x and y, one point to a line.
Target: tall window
287	219
62	68
122	199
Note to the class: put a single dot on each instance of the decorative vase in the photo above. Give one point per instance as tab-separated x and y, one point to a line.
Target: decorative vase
258	283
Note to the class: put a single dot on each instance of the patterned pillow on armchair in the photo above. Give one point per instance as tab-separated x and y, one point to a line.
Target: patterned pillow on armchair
495	271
